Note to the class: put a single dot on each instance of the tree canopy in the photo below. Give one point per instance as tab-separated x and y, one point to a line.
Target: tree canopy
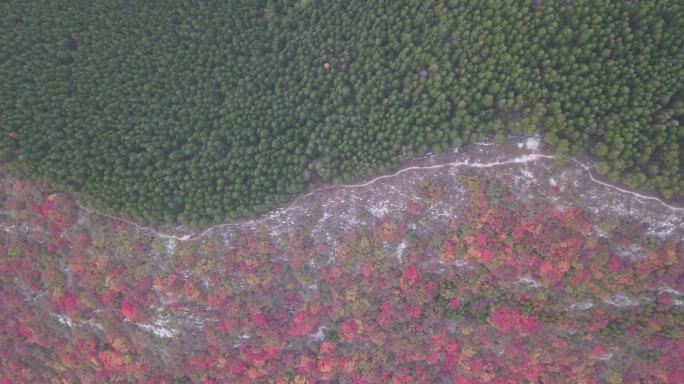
209	110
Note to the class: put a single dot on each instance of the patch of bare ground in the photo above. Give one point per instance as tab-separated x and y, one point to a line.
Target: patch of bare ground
520	164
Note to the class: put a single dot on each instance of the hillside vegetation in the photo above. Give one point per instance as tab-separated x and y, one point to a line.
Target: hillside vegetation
501	289
209	110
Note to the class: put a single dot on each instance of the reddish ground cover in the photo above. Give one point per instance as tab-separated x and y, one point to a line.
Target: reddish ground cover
504	290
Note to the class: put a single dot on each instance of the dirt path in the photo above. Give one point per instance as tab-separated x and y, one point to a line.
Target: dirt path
481	156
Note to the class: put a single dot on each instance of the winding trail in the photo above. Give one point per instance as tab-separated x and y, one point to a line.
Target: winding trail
523	159
626	191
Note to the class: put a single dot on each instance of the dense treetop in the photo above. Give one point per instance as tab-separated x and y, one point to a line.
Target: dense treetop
207	110
499	291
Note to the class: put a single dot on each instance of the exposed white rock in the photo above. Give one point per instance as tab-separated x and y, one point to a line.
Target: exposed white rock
581	306
399	253
159	329
532	143
320	334
64	319
620	300
528	281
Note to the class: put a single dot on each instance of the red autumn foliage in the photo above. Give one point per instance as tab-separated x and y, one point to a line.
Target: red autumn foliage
501	292
507	319
129	310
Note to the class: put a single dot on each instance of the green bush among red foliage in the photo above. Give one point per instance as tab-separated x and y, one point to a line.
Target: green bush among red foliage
504	291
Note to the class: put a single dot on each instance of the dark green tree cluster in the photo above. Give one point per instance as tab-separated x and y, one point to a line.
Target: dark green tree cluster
210	109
